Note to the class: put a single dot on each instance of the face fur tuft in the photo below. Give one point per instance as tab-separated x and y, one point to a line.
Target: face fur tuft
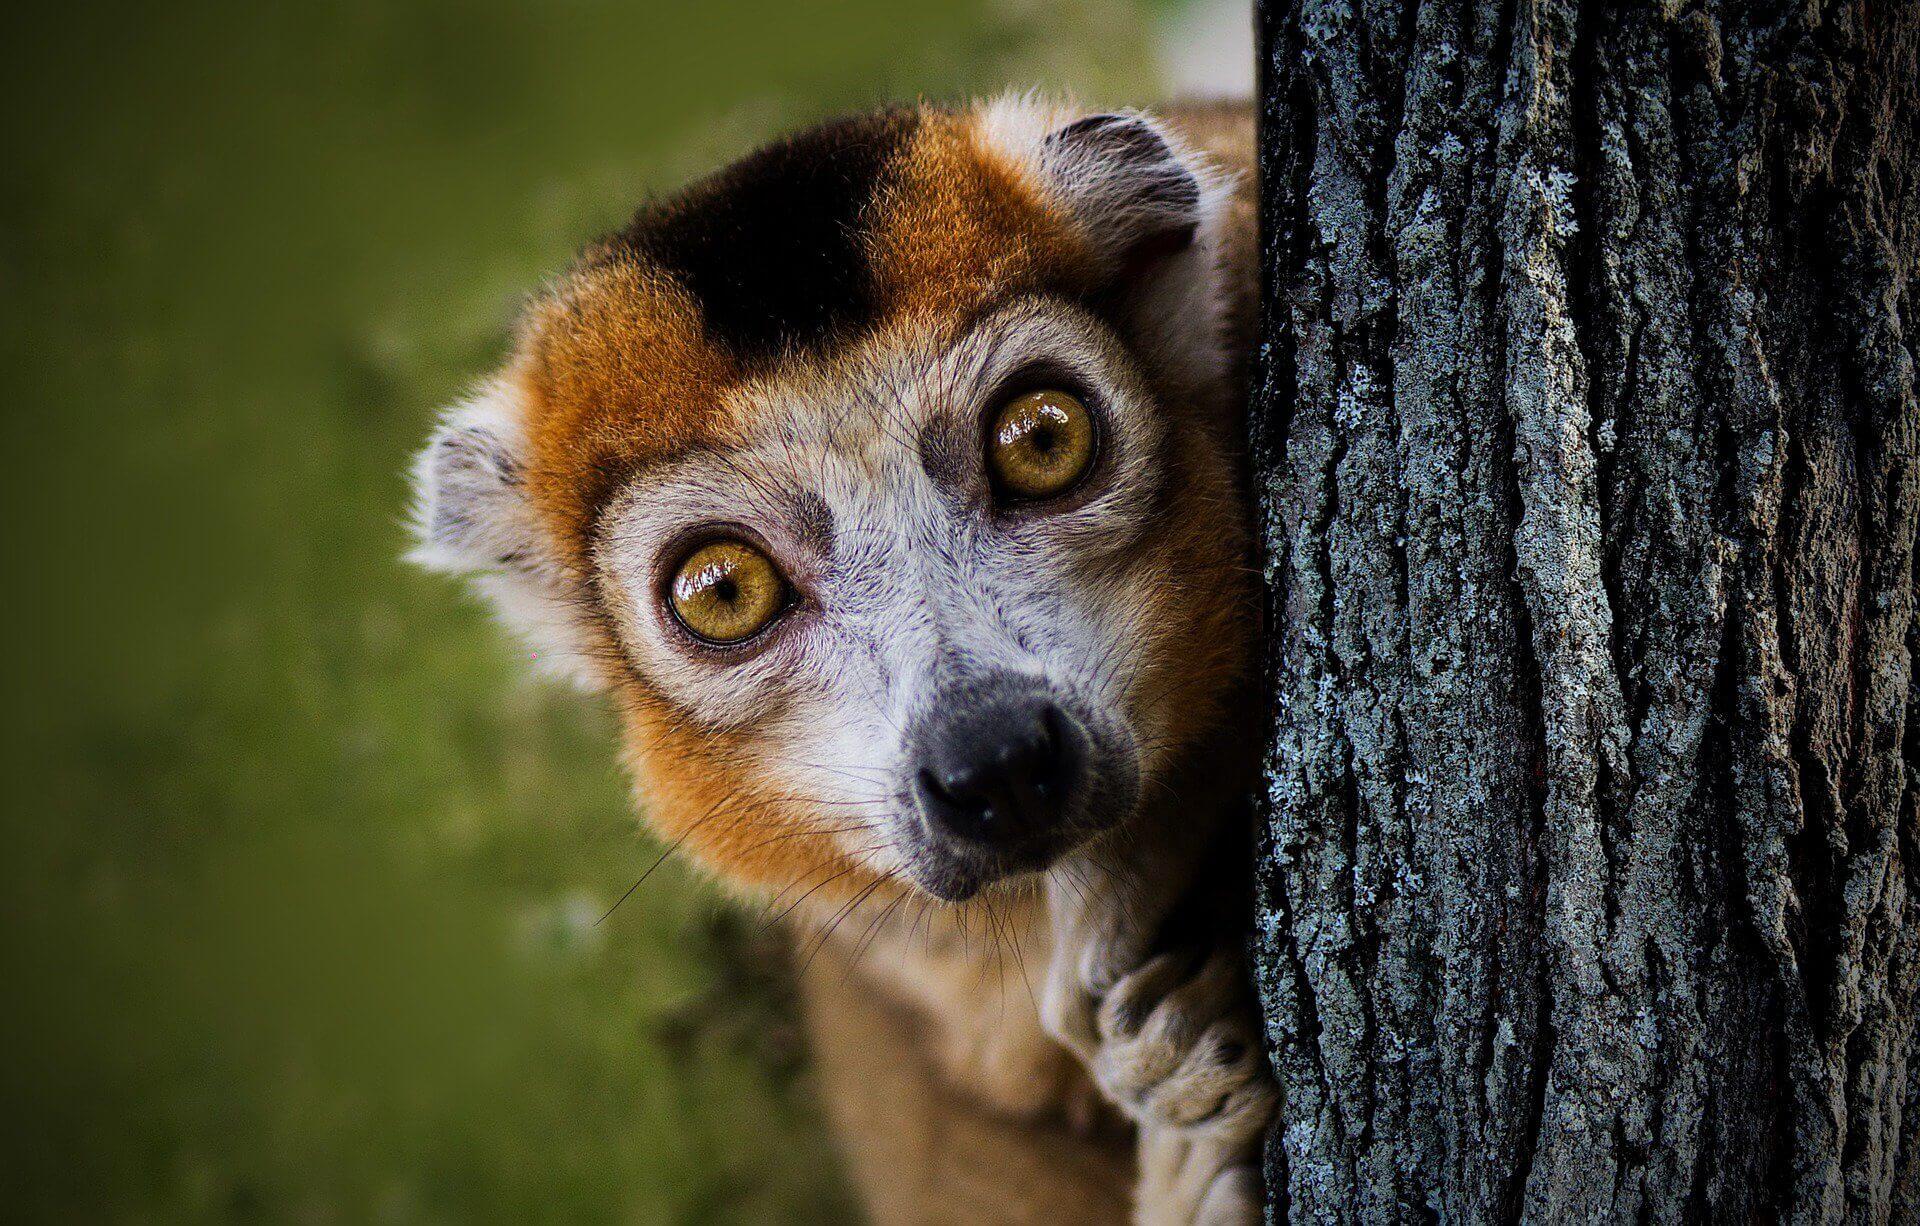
742	472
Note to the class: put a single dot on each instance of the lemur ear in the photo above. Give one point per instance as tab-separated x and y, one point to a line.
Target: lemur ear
1121	178
1152	211
471	518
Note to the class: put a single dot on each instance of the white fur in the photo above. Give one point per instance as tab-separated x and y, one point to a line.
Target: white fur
470	518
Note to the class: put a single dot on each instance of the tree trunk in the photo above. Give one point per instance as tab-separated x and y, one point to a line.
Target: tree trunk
1587	456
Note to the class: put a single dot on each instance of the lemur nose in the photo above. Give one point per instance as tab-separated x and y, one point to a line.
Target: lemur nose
997	774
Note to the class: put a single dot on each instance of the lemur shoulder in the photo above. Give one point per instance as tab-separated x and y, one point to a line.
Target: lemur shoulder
888	482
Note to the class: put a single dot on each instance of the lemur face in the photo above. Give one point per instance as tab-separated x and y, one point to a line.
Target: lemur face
885	480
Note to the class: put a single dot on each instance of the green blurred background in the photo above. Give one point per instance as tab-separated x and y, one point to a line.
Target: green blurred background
301	873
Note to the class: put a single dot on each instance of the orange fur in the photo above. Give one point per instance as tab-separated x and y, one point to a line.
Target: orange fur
960	228
703	791
616	374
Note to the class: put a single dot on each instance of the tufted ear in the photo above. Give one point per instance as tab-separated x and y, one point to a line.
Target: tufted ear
1150	208
1119	176
471	518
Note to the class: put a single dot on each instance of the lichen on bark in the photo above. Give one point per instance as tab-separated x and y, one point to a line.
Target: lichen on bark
1586	455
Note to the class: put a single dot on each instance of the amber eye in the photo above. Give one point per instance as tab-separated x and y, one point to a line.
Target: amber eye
1040	444
727	591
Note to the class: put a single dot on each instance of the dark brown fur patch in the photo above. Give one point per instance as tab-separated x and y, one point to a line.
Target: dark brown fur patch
773	250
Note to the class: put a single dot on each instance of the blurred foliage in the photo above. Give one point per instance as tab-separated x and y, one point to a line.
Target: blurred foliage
301	875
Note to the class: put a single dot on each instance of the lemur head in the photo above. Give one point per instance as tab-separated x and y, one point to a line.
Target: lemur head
886	480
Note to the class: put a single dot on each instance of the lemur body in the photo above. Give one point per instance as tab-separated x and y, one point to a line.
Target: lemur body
888	482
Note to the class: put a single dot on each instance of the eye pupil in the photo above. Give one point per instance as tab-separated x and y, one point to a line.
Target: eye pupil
727	590
1042	438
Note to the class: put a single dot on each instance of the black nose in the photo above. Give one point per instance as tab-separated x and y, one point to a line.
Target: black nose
997	772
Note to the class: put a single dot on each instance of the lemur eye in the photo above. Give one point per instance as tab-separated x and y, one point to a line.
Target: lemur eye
727	591
1040	444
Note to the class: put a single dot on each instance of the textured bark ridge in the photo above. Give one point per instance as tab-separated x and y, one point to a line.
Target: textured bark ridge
1587	456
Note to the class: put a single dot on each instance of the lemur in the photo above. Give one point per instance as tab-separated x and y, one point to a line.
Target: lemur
888	482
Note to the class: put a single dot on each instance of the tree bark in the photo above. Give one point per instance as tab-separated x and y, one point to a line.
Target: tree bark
1586	452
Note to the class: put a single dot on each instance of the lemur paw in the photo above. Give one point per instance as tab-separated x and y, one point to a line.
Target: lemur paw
1178	1048
1173	1041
